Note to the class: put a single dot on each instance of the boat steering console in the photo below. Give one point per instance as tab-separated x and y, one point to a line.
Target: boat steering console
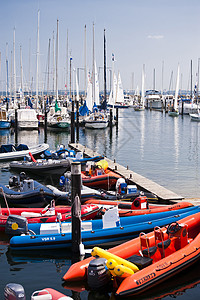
173	228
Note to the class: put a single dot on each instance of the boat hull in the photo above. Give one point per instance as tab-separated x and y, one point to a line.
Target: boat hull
106	181
129	227
96	124
36	216
51	167
5	124
35	150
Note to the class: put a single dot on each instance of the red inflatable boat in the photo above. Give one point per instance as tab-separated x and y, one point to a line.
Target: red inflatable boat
38	215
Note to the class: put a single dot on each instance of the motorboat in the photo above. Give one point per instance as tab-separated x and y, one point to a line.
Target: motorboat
134	267
27	118
110	230
42	167
99	176
23	191
10	152
97	120
50	213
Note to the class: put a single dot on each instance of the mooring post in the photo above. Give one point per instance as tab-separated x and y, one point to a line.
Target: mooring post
111	117
76	206
117	115
182	111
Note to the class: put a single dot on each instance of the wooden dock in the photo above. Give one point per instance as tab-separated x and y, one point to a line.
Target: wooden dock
133	178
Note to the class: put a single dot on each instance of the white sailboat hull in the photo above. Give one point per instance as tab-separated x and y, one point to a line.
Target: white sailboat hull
96	124
28	124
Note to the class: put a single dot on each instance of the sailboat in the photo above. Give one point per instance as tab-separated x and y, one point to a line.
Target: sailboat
140	106
97	119
173	111
58	117
119	100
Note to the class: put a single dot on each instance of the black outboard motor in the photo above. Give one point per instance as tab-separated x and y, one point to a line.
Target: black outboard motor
16	225
14	291
13	181
98	274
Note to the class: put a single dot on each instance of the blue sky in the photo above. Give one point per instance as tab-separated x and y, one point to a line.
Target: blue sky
150	32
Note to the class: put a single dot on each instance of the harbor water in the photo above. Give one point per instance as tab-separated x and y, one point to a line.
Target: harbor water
153	144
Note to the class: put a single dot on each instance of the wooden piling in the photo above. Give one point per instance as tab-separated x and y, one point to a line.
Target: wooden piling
76	206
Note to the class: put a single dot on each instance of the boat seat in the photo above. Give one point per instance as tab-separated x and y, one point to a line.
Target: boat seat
148	252
140	261
164	244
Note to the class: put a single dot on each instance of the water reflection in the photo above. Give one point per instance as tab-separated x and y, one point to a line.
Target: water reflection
176	140
4	136
60	259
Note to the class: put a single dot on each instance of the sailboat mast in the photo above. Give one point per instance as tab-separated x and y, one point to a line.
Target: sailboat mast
53	64
113	74
6	70
21	71
154	79
93	68
37	58
143	79
162	77
67	62
191	80
104	66
0	70
85	58
29	75
57	62
48	67
198	81
14	68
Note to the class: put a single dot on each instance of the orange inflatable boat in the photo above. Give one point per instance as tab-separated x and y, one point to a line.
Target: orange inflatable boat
100	178
144	262
139	206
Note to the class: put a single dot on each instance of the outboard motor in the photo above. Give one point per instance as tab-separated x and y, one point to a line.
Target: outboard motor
16	225
22	176
13	181
65	181
14	291
121	186
98	274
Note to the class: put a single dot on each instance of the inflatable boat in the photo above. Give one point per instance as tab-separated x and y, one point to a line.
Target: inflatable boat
97	175
104	179
139	206
42	167
25	192
52	214
107	232
144	262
